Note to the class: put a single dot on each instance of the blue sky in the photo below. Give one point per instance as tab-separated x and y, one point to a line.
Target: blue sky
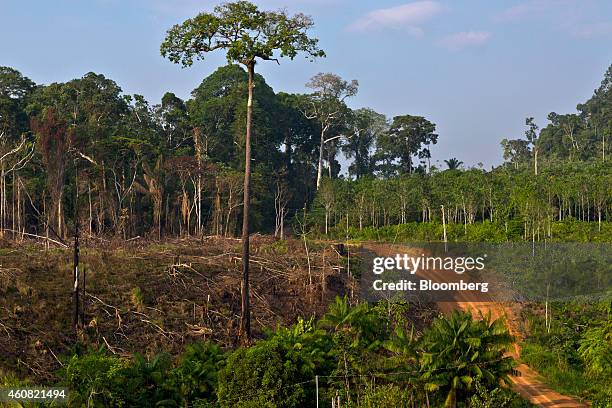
476	68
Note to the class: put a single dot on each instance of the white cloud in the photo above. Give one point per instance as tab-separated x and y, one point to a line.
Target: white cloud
407	16
465	39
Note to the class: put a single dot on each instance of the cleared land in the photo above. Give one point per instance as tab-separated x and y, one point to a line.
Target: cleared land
151	297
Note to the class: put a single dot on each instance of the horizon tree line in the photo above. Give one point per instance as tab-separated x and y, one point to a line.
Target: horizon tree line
174	168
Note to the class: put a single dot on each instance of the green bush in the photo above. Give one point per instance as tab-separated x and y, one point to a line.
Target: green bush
350	347
195	377
496	398
96	380
458	351
263	376
574	355
387	396
146	382
596	350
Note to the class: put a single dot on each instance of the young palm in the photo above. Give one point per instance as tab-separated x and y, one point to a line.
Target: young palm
358	321
402	346
458	350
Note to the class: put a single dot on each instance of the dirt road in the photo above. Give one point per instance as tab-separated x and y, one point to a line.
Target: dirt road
528	384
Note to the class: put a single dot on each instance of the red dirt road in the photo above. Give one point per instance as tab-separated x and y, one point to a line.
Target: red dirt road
528	384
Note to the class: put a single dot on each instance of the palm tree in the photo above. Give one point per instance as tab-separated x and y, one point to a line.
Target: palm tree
402	346
359	321
457	351
356	334
453	164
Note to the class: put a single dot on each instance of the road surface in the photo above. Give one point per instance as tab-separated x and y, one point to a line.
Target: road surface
528	384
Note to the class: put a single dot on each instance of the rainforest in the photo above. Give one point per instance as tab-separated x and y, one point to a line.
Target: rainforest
216	248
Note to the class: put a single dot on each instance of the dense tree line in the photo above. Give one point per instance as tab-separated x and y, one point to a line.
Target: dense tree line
560	173
582	136
133	168
505	197
171	168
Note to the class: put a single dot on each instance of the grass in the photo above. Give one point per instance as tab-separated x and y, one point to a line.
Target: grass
557	372
554	353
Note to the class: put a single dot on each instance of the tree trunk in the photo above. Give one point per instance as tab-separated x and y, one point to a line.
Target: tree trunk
198	193
599	219
326	220
320	165
245	318
282	224
77	316
444	228
2	201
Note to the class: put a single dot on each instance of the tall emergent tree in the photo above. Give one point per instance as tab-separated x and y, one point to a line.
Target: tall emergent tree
246	34
366	126
408	136
327	106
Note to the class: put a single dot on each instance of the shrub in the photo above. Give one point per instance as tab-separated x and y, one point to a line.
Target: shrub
95	380
265	376
596	350
496	398
146	382
387	396
195	378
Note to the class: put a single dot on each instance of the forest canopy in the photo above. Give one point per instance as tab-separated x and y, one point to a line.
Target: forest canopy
130	167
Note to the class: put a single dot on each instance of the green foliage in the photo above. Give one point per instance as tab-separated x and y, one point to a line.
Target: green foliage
100	380
137	298
243	31
9	379
568	202
408	136
496	398
195	377
267	375
366	128
596	350
145	382
218	109
361	353
96	379
573	355
458	351
159	157
557	370
387	396
279	247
